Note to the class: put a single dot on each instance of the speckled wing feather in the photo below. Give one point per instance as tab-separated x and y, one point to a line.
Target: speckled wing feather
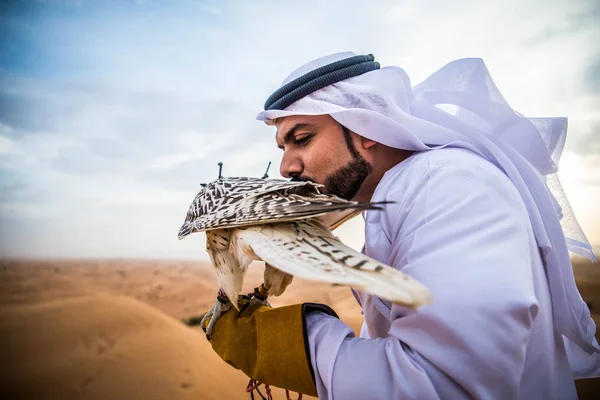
235	202
307	249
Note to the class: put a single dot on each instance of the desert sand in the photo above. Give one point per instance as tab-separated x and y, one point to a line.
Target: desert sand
113	330
85	329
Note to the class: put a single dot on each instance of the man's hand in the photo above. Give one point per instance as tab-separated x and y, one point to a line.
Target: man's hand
268	344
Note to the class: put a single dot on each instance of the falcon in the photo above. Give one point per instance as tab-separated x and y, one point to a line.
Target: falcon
286	224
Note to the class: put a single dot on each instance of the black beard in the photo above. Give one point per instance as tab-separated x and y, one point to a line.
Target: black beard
347	180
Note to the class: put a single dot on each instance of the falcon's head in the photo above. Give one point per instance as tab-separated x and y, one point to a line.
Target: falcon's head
238	201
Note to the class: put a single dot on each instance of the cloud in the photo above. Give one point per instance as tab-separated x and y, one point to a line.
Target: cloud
111	114
583	17
592	75
588	143
211	9
122	160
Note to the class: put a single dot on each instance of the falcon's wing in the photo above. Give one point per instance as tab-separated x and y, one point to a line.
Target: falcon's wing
271	208
308	250
336	219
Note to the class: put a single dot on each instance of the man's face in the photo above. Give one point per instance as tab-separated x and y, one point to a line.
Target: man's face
317	148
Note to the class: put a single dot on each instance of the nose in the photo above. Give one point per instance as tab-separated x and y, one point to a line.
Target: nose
290	165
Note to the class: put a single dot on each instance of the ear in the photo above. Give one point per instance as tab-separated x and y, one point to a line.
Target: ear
367	143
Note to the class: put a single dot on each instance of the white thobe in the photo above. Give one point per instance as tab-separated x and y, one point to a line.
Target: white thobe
459	226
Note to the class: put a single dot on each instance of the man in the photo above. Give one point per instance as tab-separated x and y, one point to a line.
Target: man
476	217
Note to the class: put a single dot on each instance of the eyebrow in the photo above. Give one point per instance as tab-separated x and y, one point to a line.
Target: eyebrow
287	137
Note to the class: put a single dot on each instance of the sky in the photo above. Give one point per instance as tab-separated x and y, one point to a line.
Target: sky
113	112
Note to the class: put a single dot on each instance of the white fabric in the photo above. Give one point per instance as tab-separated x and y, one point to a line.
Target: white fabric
460	227
459	106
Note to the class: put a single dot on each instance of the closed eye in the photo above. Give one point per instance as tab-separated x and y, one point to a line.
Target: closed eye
302	141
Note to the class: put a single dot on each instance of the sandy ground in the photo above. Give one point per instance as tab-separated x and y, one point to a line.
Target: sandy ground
112	330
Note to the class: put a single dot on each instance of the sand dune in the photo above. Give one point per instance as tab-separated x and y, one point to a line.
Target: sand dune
112	330
99	346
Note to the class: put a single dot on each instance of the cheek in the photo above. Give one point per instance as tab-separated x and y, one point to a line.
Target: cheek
321	161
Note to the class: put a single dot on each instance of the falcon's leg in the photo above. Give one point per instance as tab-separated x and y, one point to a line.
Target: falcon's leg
259	296
222	305
275	283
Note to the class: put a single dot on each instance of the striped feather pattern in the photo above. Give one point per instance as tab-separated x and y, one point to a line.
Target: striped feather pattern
234	202
288	225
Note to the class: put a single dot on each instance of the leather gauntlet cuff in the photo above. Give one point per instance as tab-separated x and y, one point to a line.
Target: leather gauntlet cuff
283	354
270	345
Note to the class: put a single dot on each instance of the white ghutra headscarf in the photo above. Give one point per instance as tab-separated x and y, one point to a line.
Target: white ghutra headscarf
460	106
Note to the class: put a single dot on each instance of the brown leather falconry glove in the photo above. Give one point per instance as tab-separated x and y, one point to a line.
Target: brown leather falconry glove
269	345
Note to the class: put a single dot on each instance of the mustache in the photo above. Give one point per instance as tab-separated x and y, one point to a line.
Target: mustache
302	178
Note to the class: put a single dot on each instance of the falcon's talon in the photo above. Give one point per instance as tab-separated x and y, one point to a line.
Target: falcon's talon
214	313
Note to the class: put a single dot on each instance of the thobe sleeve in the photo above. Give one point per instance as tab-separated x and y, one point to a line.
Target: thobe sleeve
468	241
